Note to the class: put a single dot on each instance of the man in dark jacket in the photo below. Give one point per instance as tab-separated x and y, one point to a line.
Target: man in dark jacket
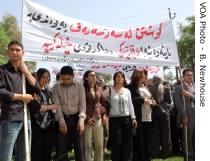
161	136
12	101
187	115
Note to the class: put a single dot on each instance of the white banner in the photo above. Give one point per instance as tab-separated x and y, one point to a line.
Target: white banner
50	36
80	69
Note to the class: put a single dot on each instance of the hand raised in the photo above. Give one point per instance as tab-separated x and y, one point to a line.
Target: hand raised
23	68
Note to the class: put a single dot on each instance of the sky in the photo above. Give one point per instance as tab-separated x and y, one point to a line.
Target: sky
113	13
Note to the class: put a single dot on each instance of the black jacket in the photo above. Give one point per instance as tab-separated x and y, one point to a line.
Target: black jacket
166	97
137	101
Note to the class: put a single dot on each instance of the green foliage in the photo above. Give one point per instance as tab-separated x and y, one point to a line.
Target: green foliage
10	25
2	59
31	66
170	159
105	77
170	77
186	43
9	31
107	157
4	40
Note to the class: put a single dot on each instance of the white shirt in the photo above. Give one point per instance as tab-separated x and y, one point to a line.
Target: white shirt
121	103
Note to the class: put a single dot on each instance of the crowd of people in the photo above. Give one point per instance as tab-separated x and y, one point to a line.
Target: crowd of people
136	121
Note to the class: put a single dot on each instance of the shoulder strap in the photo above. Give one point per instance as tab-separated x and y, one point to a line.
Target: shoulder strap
110	94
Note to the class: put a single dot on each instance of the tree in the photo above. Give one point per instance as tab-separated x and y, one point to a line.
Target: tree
10	25
9	30
31	66
170	77
105	77
4	40
186	43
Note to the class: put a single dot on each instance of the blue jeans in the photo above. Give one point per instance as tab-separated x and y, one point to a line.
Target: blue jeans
11	133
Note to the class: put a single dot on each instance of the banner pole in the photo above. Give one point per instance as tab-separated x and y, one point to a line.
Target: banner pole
27	148
26	136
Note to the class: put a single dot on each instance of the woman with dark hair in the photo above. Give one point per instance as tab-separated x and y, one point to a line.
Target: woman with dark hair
95	117
142	102
121	119
42	119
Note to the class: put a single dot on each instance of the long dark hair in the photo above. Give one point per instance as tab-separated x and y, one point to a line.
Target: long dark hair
85	82
115	75
157	81
137	75
40	72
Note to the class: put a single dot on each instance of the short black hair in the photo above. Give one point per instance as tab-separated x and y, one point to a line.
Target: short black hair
58	75
67	70
15	42
187	70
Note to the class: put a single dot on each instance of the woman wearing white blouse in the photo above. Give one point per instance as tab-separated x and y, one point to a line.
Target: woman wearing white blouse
121	119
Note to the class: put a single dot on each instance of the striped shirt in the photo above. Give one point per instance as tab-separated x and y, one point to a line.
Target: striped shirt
71	99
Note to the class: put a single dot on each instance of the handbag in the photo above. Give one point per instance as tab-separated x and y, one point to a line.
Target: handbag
45	119
107	102
158	111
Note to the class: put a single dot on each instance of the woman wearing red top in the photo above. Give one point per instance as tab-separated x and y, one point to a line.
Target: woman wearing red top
96	116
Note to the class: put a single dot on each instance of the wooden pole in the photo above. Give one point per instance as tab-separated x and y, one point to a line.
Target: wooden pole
27	147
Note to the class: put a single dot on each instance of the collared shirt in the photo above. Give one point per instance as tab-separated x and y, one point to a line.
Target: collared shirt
91	102
189	109
10	83
70	98
191	89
